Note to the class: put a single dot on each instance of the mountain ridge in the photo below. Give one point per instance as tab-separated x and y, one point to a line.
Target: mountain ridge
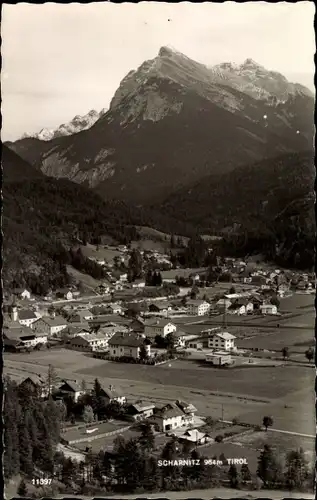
76	125
172	122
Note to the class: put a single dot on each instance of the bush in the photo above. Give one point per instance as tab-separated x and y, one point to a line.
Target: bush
219	438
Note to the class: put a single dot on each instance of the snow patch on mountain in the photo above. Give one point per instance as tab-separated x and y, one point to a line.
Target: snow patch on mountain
77	124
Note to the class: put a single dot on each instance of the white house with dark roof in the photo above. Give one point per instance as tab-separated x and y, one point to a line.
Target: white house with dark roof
223	341
139	411
158	326
127	344
51	326
160	306
64	293
198	307
170	417
22	293
195	437
36	383
113	394
71	389
26	317
23	337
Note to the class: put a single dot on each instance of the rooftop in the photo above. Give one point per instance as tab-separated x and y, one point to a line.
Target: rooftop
225	336
70	384
58	321
26	314
126	339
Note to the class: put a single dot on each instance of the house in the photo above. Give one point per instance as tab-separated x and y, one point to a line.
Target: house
170	417
198	307
160	307
71	389
223	341
23	337
51	326
180	338
139	411
81	316
259	280
36	384
187	408
111	394
22	293
268	309
223	304
158	326
137	325
64	293
89	342
219	358
240	306
197	343
73	330
127	344
26	317
123	277
138	284
194	436
114	309
237	308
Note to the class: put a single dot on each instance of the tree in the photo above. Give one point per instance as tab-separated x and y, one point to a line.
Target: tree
170	341
136	263
51	380
83	386
88	414
22	489
210	421
143	353
310	354
147	439
275	301
285	353
62	409
296	469
233	476
267	422
245	473
269	470
194	292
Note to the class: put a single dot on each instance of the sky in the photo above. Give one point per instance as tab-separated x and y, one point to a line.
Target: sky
60	60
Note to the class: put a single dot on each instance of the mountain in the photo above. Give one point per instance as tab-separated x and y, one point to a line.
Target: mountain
77	124
173	122
15	168
269	202
41	215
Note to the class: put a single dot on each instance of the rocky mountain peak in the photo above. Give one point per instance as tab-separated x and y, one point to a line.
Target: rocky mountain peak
77	124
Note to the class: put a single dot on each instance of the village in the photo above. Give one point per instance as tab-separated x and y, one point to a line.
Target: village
150	347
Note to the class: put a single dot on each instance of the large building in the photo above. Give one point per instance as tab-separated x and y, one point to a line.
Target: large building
158	326
171	417
127	344
50	326
198	307
223	341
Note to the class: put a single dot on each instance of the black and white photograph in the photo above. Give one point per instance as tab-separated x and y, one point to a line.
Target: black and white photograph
158	253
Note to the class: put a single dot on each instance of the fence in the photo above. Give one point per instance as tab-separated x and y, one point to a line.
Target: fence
82	426
97	436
